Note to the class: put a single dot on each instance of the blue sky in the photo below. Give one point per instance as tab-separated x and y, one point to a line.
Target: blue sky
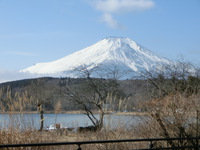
33	31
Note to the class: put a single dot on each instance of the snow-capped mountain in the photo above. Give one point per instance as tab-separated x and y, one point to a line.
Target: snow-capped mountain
109	57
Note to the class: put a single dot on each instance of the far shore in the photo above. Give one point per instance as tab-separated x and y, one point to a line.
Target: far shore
73	112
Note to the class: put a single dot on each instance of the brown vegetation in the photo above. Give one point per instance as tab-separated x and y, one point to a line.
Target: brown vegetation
172	106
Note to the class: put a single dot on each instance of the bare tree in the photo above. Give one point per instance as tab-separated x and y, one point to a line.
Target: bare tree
90	95
171	78
174	108
40	94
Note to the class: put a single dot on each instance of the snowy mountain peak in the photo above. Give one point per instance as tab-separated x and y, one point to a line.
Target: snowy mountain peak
113	53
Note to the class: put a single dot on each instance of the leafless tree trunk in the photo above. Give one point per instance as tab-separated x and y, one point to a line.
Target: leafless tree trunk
41	117
90	94
40	94
175	100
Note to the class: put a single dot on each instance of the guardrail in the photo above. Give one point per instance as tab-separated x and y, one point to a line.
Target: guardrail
194	146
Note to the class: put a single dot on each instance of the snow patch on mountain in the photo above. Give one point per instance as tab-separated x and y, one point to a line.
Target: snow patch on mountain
110	54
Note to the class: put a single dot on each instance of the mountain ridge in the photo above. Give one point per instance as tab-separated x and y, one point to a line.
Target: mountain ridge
111	53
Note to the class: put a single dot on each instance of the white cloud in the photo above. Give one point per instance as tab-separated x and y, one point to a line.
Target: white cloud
110	21
110	7
123	6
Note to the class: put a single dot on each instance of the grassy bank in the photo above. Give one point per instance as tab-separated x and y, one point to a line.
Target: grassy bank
13	134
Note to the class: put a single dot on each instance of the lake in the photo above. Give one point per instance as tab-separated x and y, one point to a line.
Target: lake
27	121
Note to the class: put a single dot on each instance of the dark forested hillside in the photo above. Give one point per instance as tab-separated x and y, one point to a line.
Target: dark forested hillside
51	91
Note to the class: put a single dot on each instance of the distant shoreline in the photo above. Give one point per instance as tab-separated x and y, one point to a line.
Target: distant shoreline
45	112
74	112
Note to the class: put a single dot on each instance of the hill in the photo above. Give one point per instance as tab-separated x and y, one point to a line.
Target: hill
50	90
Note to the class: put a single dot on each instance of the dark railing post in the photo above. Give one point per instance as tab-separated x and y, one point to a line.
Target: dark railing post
79	147
151	145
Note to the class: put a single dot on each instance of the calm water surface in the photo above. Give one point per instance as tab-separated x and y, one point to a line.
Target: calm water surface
26	121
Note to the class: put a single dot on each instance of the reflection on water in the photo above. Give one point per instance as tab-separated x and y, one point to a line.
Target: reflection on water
26	121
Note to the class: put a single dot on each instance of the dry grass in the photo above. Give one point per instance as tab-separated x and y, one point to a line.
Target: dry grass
15	135
19	131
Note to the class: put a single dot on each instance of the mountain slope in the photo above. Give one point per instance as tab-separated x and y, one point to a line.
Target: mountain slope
122	54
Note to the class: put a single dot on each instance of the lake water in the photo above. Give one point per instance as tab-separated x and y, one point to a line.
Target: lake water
25	121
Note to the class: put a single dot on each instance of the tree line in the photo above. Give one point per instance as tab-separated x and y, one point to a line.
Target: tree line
172	92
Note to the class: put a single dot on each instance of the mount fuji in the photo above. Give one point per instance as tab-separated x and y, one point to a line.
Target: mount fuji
113	56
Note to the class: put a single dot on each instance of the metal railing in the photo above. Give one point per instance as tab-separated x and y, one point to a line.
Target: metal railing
193	146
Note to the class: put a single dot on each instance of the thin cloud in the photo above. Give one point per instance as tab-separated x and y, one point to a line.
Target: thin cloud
111	22
28	35
20	53
110	7
7	75
123	6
